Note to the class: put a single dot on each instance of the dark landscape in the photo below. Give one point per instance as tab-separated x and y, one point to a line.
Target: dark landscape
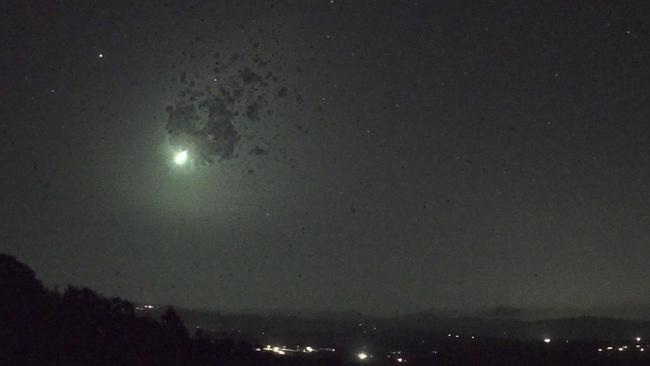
77	326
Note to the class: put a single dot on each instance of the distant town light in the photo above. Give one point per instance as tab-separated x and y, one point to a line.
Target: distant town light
309	349
280	352
642	349
547	340
400	360
638	339
362	356
610	348
600	350
621	349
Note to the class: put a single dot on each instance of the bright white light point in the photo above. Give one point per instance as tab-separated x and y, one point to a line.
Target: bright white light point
362	355
101	55
547	340
638	339
181	157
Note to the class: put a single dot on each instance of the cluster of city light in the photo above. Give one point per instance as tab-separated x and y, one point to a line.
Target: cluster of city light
143	307
275	349
283	350
457	336
619	348
397	356
623	348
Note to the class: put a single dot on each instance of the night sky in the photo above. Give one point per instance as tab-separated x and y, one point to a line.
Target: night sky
382	157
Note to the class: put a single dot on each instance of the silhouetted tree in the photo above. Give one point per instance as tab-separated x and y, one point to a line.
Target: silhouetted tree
23	312
81	327
170	318
18	283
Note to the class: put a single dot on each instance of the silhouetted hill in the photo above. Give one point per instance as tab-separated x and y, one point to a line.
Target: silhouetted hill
80	327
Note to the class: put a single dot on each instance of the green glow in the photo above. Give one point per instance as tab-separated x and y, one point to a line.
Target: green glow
181	157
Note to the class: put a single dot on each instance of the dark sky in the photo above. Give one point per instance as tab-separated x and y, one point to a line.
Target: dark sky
381	156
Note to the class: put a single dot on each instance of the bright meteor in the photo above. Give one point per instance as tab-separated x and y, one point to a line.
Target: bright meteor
181	157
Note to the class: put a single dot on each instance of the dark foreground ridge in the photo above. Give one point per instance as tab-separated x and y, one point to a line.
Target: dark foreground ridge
80	327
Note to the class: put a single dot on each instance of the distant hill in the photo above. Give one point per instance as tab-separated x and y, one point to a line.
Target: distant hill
579	328
500	323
